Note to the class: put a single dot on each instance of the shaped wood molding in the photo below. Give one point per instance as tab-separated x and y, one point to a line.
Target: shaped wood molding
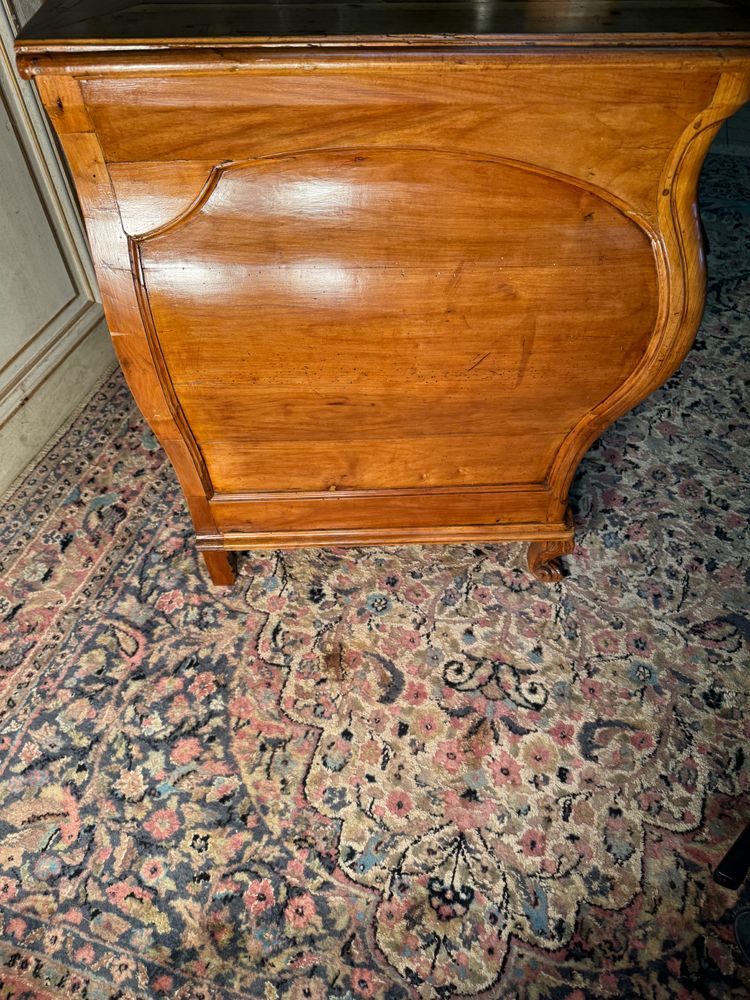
418	272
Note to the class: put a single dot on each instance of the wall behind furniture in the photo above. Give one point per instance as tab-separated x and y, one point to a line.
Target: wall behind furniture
735	134
54	346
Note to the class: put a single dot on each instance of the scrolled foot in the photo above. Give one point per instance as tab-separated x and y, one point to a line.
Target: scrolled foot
222	566
544	559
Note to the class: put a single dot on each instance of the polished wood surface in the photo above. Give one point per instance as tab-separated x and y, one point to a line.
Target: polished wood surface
358	338
388	295
102	20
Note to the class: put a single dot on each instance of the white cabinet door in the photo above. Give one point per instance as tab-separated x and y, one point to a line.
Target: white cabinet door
53	345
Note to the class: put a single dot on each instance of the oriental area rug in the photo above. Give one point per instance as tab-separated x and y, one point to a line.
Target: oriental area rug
388	773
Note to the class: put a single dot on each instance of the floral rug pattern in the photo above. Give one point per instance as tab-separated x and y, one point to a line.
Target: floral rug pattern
386	773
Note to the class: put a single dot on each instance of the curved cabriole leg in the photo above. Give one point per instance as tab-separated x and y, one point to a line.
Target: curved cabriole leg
544	559
222	567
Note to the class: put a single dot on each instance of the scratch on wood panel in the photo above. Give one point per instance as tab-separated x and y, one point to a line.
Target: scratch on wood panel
455	278
478	361
527	342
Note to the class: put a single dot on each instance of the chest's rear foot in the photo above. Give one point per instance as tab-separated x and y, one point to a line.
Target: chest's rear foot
544	559
222	567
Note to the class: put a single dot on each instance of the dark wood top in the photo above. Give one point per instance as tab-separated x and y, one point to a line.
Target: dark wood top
108	21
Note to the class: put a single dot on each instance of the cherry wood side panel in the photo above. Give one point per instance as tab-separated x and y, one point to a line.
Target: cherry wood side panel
423	278
406	336
109	246
610	123
383	510
682	280
297	410
409	461
279	538
409	276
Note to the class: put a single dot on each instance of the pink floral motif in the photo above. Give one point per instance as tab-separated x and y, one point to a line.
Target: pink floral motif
534	843
427	725
449	755
203	686
363	982
242	707
467	812
121	892
538	752
163	824
152	870
16	927
562	733
642	741
171	601
505	770
591	689
8	889
416	693
259	896
300	911
399	802
85	955
186	751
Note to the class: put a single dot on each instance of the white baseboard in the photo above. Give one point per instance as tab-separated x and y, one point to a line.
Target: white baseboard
40	414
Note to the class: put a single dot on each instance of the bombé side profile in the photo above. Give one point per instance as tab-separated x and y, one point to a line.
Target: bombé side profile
382	273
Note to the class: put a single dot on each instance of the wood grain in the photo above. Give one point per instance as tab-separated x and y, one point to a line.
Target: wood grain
343	253
238	541
485	509
517	108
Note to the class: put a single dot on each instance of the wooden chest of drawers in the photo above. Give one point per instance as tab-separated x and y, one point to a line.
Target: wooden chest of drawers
382	273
